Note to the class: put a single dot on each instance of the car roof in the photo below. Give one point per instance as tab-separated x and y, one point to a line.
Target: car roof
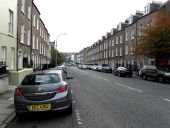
54	71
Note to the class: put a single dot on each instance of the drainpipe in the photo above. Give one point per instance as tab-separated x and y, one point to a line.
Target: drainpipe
31	51
17	35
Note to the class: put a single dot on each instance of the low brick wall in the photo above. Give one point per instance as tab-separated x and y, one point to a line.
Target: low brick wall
15	77
4	83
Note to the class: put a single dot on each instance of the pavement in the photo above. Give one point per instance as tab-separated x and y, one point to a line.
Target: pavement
7	112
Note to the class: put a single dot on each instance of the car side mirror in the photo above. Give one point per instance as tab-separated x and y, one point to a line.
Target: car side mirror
70	77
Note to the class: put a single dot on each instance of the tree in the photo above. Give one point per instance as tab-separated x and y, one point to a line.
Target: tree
156	39
60	58
53	56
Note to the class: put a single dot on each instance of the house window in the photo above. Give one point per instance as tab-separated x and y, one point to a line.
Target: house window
40	31
3	53
126	36
40	48
113	42
140	30
29	12
22	34
121	39
10	23
44	50
37	23
34	19
132	34
117	39
37	44
28	37
120	51
116	52
126	49
23	6
12	57
112	53
33	42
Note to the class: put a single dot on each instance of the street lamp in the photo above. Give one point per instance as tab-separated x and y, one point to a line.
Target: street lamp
56	43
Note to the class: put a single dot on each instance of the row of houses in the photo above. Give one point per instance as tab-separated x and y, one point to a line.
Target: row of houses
116	47
24	38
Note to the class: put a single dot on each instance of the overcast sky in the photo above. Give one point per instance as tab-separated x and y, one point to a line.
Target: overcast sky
84	21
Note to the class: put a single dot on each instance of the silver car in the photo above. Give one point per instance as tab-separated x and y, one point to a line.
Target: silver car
43	91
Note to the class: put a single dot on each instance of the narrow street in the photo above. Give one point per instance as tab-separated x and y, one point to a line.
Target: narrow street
102	100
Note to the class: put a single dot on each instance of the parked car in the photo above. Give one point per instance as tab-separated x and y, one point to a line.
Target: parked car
84	66
99	68
159	73
94	67
43	91
122	71
107	69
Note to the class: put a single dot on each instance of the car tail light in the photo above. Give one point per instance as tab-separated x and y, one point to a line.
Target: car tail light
62	89
18	92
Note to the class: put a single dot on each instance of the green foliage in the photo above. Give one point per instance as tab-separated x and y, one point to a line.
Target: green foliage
156	39
56	57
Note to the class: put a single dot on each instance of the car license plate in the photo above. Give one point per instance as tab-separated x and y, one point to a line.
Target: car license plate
39	107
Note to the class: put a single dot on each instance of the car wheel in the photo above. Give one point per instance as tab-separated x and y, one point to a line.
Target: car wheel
161	79
119	74
69	110
19	115
144	77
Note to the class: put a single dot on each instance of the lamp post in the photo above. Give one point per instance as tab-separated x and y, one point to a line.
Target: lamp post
56	43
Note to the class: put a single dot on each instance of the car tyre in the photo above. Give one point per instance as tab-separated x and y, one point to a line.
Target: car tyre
19	115
161	79
144	77
69	110
119	74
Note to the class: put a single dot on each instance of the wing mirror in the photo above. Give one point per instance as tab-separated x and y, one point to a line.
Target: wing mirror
70	77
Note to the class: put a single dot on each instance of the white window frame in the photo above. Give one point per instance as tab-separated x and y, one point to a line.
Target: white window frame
28	36
23	6
132	34
37	44
22	34
117	39
120	51
121	39
113	42
12	57
116	52
34	19
126	36
126	50
33	42
29	12
3	54
11	22
37	23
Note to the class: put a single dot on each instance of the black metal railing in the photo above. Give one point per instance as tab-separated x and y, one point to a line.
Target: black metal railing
3	68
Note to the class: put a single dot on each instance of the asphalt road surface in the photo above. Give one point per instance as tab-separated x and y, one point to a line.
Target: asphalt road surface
102	100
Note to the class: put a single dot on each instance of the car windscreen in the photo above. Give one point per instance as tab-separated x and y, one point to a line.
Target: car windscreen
164	68
41	79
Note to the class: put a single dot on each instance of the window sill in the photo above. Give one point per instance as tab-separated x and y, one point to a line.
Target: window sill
11	35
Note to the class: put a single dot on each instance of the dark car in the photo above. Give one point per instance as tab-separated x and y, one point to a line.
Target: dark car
99	68
107	69
159	73
122	71
46	91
